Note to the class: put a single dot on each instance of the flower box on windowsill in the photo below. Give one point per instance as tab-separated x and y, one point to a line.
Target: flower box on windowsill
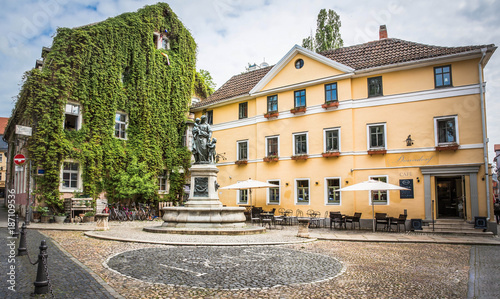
333	104
447	147
377	152
300	157
330	154
271	114
271	159
298	110
241	162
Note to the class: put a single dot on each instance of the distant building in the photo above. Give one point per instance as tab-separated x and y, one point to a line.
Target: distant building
496	178
3	156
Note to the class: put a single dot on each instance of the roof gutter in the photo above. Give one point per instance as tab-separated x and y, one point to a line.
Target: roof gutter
485	139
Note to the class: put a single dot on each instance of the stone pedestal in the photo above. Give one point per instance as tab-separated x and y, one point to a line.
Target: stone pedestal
203	208
102	221
303	228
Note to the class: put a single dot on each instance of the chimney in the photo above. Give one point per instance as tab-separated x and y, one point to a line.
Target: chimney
382	32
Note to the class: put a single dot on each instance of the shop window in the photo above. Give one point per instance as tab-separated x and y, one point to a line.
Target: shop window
380	196
72	117
375	86
333	196
302	191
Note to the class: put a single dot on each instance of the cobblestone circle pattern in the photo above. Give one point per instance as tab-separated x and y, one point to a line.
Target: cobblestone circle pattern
228	268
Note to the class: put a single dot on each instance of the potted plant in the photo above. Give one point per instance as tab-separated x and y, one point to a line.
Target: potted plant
60	217
300	157
89	216
298	110
37	213
271	159
45	218
241	162
330	104
331	154
271	114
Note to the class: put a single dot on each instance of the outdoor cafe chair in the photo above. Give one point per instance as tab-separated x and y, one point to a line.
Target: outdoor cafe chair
281	211
401	220
315	220
381	218
288	216
353	220
336	218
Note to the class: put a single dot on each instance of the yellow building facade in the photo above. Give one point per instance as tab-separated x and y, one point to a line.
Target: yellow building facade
405	113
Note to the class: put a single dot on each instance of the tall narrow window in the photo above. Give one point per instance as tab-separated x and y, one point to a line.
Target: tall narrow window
243	110
302	191
120	125
272	146
375	86
380	196
72	117
70	175
274	193
376	136
331	92
210	117
442	76
243	150
332	140
163	181
243	197
333	196
300	98
300	144
272	103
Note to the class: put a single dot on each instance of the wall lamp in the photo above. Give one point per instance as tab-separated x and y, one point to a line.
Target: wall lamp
418	179
286	184
317	183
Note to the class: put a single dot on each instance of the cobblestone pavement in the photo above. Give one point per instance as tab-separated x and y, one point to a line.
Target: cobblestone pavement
372	270
484	272
208	267
67	278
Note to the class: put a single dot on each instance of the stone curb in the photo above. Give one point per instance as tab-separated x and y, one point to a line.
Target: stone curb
104	284
94	235
448	242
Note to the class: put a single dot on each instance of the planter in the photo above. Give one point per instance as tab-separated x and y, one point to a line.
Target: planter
60	219
330	154
88	218
45	219
448	147
36	216
334	104
377	152
271	159
241	162
271	114
300	157
298	110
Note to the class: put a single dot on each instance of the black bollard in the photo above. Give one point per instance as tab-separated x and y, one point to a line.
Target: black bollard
42	283
16	226
21	250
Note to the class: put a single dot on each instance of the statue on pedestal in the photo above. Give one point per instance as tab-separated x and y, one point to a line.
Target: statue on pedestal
203	144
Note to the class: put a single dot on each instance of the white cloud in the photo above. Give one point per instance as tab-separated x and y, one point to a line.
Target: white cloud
232	33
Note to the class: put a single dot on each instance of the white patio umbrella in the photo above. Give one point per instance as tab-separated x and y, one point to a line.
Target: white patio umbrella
372	185
249	184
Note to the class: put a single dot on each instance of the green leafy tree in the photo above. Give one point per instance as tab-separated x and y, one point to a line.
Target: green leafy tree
327	33
204	85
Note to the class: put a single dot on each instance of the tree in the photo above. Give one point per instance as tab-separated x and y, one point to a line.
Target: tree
327	33
204	85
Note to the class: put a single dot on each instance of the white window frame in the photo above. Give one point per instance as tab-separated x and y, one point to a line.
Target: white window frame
436	130
1	157
163	176
307	143
119	122
326	191
159	37
267	147
238	197
279	193
296	195
368	135
79	116
238	158
324	138
79	177
370	192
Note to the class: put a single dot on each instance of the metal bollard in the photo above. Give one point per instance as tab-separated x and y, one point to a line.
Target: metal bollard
16	226
21	250
42	282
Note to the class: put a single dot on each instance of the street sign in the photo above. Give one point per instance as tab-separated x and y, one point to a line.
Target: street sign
19	159
22	130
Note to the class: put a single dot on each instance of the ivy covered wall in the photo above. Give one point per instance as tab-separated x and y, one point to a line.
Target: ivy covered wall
108	67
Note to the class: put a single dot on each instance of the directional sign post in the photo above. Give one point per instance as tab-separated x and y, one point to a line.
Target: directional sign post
19	159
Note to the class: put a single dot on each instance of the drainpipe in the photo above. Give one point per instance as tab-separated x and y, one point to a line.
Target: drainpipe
485	140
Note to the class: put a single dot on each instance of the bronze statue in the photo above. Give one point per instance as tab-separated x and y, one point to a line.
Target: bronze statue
203	145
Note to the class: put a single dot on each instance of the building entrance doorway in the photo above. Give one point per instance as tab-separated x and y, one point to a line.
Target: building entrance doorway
450	197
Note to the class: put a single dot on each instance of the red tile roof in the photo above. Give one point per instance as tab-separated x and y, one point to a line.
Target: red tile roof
3	124
497	147
378	53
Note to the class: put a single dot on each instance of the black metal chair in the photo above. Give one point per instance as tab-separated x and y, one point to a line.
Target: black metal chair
401	220
336	218
353	220
381	218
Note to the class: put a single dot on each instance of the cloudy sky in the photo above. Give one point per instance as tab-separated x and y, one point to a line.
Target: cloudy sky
232	33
